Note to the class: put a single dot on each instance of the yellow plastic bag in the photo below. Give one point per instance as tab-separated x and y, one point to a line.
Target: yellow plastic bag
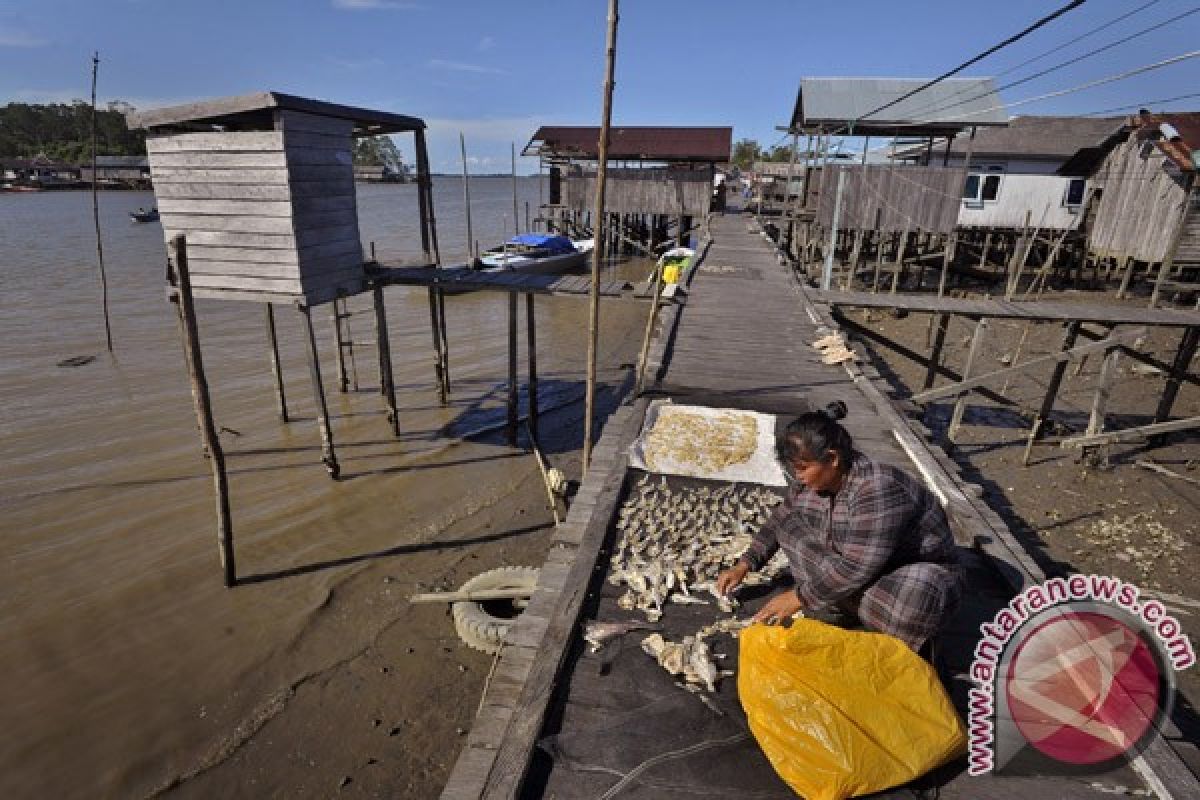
844	713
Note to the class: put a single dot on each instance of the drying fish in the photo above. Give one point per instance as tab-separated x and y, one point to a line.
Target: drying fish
597	633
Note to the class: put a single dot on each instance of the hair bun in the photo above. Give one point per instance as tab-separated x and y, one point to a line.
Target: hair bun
835	410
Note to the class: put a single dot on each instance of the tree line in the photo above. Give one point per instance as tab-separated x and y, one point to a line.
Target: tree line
63	131
747	151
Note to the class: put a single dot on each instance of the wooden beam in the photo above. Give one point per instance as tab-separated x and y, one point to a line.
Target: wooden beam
387	383
276	369
960	405
935	356
968	384
511	428
328	456
1138	434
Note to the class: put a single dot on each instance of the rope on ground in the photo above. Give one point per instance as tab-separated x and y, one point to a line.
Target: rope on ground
668	756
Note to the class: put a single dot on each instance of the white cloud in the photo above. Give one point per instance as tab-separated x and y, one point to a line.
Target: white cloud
459	66
15	38
373	5
487	43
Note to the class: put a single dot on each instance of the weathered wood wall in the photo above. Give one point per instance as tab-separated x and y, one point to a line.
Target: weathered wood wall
1141	203
643	191
901	197
263	211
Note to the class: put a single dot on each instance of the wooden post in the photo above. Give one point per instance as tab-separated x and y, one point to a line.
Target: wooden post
653	315
511	429
1173	247
276	369
935	356
1108	373
594	294
878	250
204	416
96	215
987	244
462	146
531	355
827	275
1179	368
898	267
328	457
1014	269
429	245
339	347
516	217
960	403
386	380
947	257
1060	369
1126	277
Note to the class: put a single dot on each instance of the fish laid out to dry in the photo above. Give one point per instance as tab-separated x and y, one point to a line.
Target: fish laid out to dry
691	658
709	441
673	543
597	633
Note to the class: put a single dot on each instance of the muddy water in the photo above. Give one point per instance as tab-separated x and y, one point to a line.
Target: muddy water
126	664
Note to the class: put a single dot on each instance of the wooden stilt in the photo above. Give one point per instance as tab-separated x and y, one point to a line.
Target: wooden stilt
276	368
387	382
947	258
204	416
328	457
511	429
339	347
898	266
531	355
641	363
1126	277
935	357
960	404
1179	369
1060	369
437	302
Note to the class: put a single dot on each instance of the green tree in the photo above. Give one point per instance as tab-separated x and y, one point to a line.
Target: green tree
377	151
745	153
63	131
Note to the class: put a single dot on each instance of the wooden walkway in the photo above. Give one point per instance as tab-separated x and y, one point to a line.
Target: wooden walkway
556	721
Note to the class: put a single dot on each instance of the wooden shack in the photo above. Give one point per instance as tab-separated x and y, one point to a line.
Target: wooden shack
262	186
1144	183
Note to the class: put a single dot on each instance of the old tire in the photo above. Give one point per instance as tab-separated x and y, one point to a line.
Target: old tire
478	627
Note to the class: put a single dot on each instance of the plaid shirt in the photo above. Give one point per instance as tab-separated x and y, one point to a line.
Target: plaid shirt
881	519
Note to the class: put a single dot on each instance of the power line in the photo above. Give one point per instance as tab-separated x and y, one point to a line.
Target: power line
1053	50
1041	22
1067	63
1144	104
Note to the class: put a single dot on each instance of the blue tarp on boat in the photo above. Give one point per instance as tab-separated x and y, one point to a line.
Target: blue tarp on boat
555	244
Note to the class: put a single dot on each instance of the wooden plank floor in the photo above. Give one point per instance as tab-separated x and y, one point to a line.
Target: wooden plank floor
614	724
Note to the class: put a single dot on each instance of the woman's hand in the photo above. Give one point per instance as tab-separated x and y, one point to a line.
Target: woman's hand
778	608
731	578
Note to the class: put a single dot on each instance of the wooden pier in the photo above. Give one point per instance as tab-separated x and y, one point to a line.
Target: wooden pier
557	721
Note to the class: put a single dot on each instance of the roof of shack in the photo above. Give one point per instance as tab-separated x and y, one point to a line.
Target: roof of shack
255	112
648	143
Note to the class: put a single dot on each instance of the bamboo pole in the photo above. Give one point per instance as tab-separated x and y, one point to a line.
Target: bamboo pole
511	428
462	144
387	380
641	363
428	244
96	215
594	293
328	456
531	355
208	430
476	596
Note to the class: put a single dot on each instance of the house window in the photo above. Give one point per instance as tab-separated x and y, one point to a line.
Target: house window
982	187
1073	197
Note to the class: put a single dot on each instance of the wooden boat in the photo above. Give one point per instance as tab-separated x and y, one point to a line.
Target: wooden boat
143	215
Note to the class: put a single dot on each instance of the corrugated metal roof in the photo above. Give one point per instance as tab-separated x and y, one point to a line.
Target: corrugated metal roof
1181	150
954	103
1040	137
703	145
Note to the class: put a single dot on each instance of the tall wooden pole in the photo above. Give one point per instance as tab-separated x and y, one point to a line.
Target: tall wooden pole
328	456
276	369
513	389
594	296
208	429
428	244
462	144
531	354
96	213
516	215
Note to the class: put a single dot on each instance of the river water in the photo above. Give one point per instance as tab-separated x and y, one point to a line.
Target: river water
122	653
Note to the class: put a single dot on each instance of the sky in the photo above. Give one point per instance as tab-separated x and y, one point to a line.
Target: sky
497	69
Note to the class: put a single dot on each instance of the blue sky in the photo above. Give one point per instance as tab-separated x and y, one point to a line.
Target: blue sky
498	69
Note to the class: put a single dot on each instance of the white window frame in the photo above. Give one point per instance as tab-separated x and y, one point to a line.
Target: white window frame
982	174
1074	207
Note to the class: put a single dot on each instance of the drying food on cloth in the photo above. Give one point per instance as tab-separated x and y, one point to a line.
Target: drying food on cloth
672	543
834	350
712	443
597	633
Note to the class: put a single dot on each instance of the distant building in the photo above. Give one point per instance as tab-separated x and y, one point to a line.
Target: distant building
380	174
38	172
118	171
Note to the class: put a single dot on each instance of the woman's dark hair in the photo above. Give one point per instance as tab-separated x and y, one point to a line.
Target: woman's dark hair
811	436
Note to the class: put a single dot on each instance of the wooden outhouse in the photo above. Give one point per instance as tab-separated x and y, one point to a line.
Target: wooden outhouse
262	187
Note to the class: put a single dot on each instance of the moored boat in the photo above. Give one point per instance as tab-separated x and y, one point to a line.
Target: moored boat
537	253
144	215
